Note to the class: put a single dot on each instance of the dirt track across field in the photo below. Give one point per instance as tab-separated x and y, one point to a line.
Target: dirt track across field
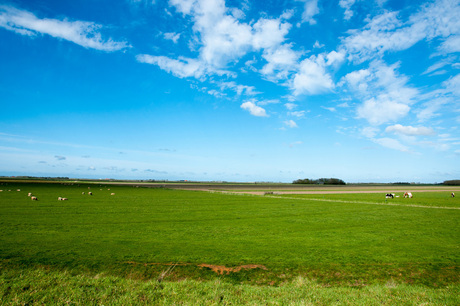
339	191
314	189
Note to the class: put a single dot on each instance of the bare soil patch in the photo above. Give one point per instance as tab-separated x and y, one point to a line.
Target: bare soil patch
216	268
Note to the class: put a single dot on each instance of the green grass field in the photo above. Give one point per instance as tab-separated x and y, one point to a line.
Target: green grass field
329	242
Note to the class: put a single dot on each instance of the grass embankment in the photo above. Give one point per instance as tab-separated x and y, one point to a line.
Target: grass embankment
25	286
392	252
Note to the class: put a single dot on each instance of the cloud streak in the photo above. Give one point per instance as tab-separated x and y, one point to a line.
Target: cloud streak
83	33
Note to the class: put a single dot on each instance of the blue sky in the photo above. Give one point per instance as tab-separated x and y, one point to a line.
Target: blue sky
365	91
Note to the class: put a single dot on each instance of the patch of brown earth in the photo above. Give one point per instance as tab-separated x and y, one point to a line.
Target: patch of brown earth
218	269
223	269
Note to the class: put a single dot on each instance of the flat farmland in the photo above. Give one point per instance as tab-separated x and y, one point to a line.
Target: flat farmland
336	240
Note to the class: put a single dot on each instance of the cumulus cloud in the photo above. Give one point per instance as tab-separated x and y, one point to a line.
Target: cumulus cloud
253	109
223	39
83	33
410	130
281	61
378	111
384	92
312	77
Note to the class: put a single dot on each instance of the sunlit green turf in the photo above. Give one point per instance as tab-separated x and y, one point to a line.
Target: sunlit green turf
129	233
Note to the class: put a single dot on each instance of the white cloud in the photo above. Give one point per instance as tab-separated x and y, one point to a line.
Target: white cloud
182	68
312	77
451	44
253	109
391	144
83	33
280	62
438	65
335	58
384	92
347	4
239	89
310	10
269	33
174	37
370	132
290	123
290	106
379	111
410	130
318	45
296	143
388	32
298	114
452	85
222	39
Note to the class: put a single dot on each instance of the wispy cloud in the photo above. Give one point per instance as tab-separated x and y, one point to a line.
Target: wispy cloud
290	123
389	32
310	11
174	37
410	130
253	109
83	33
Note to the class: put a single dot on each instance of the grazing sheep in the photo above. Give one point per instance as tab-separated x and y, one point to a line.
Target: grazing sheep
29	194
83	192
452	194
19	190
90	193
112	193
34	198
1	190
408	195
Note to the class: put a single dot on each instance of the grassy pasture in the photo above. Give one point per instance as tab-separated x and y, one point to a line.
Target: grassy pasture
330	240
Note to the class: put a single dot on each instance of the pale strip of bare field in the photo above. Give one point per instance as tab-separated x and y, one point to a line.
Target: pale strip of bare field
367	203
331	200
344	191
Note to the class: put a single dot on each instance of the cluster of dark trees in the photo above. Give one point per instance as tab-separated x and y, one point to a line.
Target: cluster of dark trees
452	182
321	181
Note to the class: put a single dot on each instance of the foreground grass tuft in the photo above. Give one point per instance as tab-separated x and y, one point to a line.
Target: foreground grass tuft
20	286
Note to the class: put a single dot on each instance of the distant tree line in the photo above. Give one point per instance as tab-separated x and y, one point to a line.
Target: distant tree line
321	181
452	182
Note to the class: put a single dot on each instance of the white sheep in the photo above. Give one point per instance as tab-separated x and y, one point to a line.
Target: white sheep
34	198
